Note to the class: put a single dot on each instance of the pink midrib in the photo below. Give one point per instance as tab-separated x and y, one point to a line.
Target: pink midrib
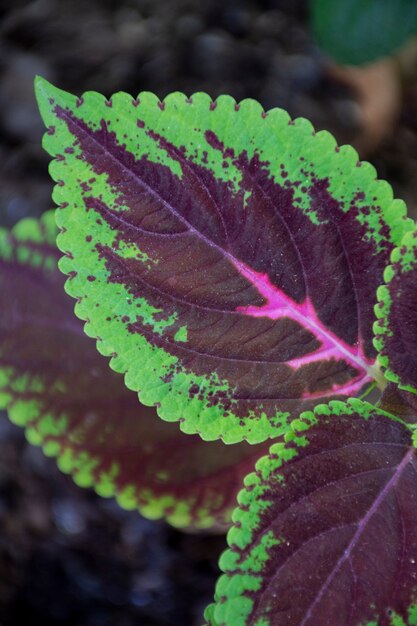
279	305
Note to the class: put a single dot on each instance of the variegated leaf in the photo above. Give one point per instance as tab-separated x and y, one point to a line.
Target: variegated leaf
325	533
226	258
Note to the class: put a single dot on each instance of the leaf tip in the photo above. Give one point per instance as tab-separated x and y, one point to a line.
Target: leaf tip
42	88
47	96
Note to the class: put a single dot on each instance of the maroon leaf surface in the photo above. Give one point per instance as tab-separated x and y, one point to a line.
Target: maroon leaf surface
399	402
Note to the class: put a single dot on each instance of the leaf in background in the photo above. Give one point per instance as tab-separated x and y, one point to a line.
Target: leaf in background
325	532
55	384
354	32
226	258
396	328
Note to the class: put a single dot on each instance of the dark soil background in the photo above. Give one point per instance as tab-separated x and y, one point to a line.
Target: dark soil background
67	557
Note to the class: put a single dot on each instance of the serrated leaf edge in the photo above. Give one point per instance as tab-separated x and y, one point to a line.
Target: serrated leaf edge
381	308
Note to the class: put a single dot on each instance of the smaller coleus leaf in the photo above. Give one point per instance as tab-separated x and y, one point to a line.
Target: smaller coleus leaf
226	258
325	532
396	327
354	32
55	384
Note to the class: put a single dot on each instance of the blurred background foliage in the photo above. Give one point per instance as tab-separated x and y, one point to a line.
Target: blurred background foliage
361	31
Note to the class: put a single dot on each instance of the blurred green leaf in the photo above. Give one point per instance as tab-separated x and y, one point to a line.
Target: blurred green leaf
359	31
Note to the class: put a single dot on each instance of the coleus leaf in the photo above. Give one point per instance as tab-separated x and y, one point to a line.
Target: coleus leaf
360	31
325	532
56	385
396	327
226	258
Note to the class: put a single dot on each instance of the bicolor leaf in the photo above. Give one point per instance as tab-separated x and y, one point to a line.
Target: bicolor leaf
56	385
226	258
325	532
360	31
396	328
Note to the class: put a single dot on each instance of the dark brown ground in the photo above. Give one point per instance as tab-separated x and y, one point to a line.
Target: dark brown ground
67	557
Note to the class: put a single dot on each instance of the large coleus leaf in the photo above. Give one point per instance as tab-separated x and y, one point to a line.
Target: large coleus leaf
360	31
226	258
55	384
396	328
326	529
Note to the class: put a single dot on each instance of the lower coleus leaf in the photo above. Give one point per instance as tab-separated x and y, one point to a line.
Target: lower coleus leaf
325	533
227	258
396	328
54	383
